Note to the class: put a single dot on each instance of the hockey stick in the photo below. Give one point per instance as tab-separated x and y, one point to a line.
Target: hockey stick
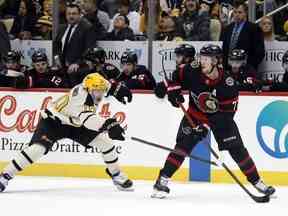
258	199
173	151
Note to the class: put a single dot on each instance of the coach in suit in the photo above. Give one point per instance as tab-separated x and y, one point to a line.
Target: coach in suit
242	34
73	38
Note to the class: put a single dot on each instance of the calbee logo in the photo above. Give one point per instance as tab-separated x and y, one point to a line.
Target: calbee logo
272	129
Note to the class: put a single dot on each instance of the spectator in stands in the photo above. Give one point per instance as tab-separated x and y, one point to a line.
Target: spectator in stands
172	7
72	38
4	41
215	24
10	8
43	76
48	8
121	30
133	16
94	15
194	24
167	29
266	25
225	12
24	21
135	76
242	34
44	25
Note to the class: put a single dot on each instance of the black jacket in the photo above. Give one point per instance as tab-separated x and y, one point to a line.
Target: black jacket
79	42
194	26
250	39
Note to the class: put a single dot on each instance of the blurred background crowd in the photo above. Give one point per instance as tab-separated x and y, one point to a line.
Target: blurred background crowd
81	23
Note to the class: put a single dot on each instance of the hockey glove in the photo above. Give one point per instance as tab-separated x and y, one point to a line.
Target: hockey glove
160	90
120	92
174	95
201	131
115	131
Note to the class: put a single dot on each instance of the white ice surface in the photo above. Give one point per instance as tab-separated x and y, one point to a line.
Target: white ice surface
46	196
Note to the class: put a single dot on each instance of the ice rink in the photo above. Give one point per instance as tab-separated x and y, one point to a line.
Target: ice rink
46	196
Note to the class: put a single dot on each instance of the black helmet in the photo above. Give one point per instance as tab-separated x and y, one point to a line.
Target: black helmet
211	50
285	60
95	55
186	50
238	55
39	57
129	57
13	57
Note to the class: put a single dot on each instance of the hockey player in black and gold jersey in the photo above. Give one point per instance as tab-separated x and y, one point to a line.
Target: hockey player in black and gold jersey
74	116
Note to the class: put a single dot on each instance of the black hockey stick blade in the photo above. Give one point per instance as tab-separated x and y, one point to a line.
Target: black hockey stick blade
258	199
173	150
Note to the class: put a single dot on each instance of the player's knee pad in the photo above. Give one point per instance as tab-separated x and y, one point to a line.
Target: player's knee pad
28	156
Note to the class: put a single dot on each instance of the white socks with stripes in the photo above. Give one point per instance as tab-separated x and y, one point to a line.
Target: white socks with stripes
24	158
110	158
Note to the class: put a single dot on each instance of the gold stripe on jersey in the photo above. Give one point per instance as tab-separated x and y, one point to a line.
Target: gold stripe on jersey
61	103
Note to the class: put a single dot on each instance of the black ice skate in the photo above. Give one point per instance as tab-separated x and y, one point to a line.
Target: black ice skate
161	190
263	188
121	181
4	178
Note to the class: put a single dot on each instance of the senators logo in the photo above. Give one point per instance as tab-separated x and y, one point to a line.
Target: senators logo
206	102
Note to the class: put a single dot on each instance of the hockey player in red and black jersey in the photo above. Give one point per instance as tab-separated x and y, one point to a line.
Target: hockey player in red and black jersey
12	72
185	54
43	76
244	75
213	99
135	76
94	60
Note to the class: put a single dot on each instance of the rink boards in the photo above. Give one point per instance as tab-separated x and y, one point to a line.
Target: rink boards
262	120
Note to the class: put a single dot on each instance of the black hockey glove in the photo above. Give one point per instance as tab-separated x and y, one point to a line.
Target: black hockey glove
201	131
174	95
115	131
160	90
121	92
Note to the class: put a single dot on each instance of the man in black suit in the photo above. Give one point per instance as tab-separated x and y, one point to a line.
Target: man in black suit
73	38
242	34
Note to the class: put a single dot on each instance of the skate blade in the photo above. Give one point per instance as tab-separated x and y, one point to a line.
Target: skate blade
130	189
159	195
